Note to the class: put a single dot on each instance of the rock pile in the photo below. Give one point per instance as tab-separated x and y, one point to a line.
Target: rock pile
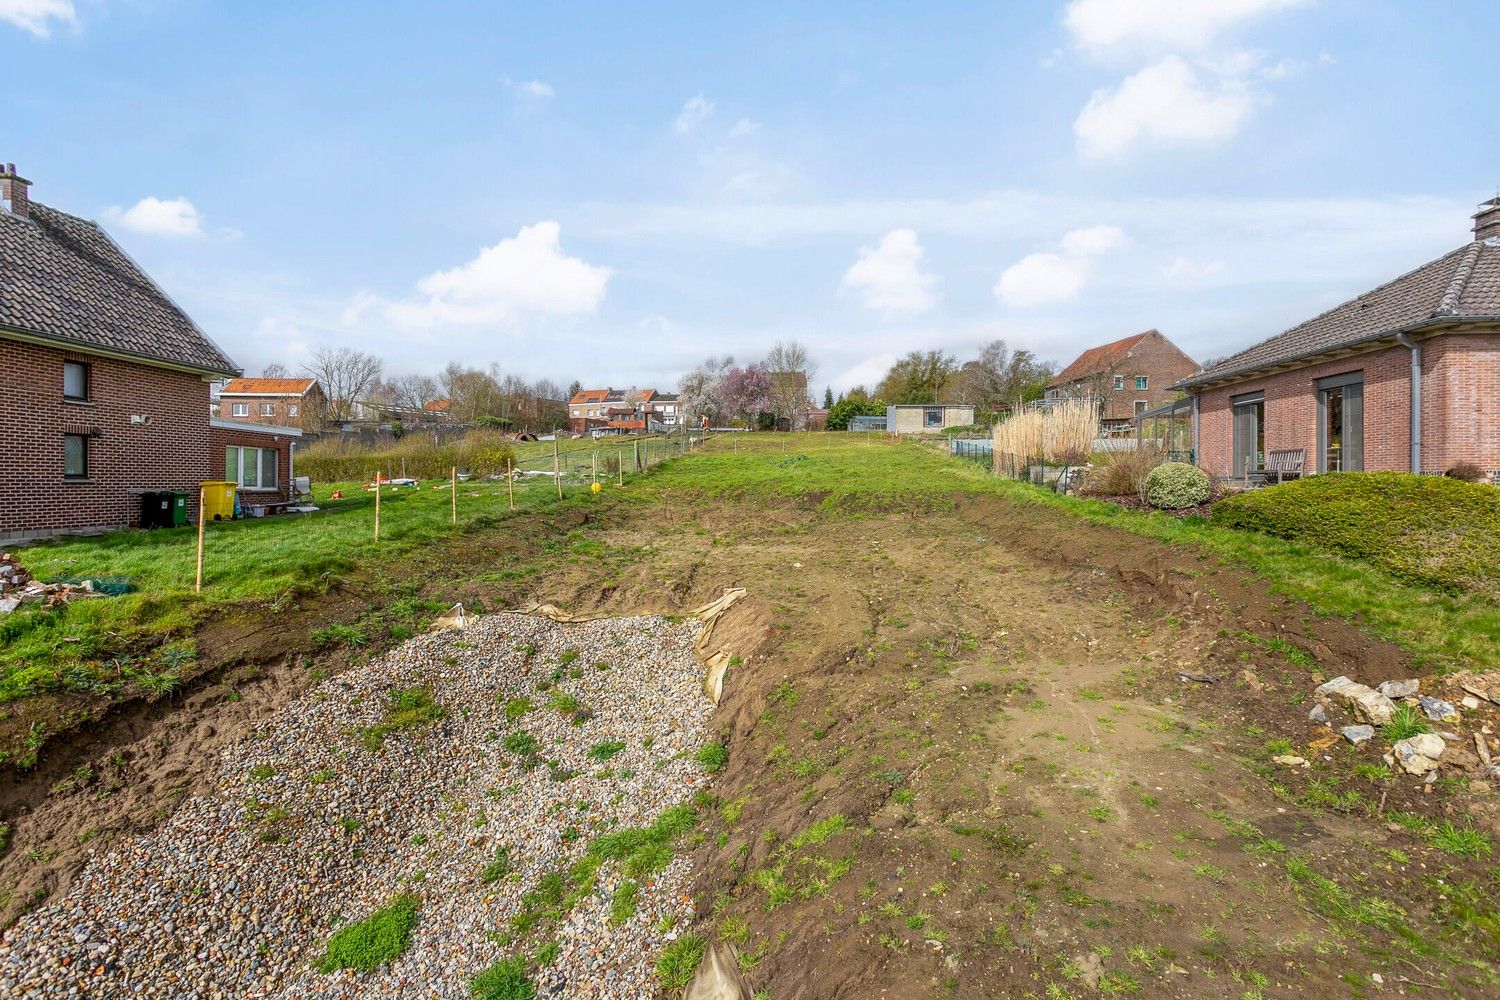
1420	754
18	587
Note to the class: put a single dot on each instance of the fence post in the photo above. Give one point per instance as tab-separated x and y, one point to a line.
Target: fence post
453	478
636	448
377	505
620	465
202	493
510	481
594	458
556	469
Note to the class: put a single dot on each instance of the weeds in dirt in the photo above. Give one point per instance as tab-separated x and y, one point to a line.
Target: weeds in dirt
374	941
624	902
605	749
517	707
408	708
1405	722
499	866
522	744
713	755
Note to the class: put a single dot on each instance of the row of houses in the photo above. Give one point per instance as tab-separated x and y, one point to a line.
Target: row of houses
622	411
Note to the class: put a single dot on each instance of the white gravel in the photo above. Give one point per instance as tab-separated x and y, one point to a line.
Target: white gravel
207	906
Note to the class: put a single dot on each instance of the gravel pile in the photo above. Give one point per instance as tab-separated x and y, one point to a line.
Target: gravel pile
310	827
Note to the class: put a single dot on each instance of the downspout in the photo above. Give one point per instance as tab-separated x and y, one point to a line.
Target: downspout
1405	341
1197	455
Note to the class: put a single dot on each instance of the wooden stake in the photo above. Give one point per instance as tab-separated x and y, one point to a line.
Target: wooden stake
620	466
377	505
202	495
596	464
556	469
510	482
453	478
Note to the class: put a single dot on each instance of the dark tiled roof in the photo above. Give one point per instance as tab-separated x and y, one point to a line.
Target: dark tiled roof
1097	360
62	277
1461	284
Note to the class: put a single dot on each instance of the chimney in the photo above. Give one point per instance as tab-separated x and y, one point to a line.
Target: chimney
14	190
1487	219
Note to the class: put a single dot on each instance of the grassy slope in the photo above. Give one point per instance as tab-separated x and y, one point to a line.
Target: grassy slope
245	561
1441	630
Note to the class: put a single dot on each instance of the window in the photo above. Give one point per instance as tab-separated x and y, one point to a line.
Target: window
268	409
1119	382
251	468
240	409
1142	383
291	410
75	456
1341	423
1140	407
932	416
1249	433
75	381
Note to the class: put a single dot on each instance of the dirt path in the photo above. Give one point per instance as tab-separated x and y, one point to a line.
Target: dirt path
962	762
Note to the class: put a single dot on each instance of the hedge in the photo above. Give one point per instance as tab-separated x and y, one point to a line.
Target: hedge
1428	529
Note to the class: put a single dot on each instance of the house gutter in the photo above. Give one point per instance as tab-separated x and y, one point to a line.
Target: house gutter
1404	339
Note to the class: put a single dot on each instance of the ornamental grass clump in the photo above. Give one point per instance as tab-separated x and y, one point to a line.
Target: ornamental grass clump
1177	485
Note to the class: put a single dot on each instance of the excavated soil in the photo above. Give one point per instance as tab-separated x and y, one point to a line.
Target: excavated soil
962	761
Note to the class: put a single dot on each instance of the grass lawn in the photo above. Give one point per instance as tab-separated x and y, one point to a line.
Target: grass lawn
245	561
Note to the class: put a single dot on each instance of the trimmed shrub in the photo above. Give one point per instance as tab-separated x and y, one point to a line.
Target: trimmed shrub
1433	530
1176	485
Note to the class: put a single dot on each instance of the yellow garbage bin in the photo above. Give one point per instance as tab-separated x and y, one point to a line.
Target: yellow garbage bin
218	500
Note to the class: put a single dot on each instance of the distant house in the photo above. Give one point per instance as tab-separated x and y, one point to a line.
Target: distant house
933	418
437	410
281	402
106	379
1404	377
620	411
1127	377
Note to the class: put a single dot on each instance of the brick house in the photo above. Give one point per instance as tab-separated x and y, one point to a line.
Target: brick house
259	458
282	402
610	411
106	379
1128	377
1405	377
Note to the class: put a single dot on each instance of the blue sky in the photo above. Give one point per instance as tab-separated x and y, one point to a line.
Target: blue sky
612	192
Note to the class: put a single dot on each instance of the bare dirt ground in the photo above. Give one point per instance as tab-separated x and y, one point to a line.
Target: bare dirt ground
961	760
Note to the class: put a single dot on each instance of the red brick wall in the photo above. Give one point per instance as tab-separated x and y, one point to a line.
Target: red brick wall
280	415
1460	407
220	438
1163	363
171	452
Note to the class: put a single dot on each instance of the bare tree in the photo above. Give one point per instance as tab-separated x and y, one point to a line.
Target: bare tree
791	367
275	370
412	392
346	375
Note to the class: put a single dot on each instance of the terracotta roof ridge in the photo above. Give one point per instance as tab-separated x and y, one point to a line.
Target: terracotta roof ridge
1448	304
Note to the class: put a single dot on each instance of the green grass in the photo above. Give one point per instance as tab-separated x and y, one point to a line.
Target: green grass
1443	629
605	749
375	940
714	756
408	709
498	868
623	903
505	980
675	965
1405	722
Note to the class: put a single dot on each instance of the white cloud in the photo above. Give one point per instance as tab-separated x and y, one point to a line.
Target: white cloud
888	277
1044	279
1164	103
530	88
525	273
1185	270
695	112
157	217
1101	25
36	16
744	127
1093	240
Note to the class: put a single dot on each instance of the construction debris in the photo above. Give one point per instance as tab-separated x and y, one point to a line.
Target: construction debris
18	587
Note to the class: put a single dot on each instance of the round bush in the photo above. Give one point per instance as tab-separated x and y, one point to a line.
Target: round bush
1176	485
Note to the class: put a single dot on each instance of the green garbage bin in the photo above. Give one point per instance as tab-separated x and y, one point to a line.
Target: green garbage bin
179	508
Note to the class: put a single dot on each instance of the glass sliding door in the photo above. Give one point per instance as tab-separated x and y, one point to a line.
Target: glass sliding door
1249	434
1341	423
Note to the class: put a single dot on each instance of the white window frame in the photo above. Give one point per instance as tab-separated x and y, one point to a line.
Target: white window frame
1119	383
235	456
292	410
239	409
1142	383
268	409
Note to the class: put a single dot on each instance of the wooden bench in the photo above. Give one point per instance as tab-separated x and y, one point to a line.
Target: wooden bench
1280	466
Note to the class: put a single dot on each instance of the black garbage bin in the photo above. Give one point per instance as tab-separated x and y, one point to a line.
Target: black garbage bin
156	509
